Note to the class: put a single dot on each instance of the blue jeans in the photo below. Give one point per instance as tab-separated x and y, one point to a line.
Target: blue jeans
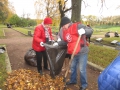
80	62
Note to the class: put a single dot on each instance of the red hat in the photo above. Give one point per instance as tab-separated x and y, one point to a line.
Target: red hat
47	20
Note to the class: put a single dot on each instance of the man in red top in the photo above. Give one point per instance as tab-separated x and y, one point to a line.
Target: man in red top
42	34
69	34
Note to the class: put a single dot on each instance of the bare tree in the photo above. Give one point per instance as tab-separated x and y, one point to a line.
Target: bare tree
62	8
76	10
46	8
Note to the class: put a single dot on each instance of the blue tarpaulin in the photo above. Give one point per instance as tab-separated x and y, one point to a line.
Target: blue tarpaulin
109	79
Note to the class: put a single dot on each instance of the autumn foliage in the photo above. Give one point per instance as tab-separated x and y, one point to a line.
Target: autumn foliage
23	79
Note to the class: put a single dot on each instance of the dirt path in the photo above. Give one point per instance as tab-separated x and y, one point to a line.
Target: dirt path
17	45
102	36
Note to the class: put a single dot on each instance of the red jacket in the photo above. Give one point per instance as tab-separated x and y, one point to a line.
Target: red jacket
70	36
39	36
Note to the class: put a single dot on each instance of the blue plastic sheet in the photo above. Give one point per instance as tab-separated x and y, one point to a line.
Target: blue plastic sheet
109	79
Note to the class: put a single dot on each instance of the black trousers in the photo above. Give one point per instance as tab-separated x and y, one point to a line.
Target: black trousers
41	55
68	56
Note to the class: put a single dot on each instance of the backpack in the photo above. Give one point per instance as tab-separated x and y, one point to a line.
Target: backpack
88	30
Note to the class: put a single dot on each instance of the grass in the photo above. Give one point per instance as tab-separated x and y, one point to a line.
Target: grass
55	29
106	28
107	41
3	73
23	30
101	30
101	56
2	31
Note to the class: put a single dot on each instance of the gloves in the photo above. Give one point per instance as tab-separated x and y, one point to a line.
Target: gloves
41	44
81	31
58	40
55	44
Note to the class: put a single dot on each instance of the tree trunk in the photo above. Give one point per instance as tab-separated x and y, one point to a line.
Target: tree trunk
76	10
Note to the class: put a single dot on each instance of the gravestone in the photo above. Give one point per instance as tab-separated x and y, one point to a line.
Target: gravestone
107	34
114	42
99	39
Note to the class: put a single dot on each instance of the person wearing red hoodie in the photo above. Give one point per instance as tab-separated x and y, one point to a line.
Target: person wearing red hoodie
42	34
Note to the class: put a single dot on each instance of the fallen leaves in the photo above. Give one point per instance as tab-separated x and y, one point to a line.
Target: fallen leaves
23	79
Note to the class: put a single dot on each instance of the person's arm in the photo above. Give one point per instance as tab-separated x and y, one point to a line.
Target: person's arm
60	38
37	34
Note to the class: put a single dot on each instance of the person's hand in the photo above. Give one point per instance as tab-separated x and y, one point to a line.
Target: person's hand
58	39
81	31
53	41
55	44
41	44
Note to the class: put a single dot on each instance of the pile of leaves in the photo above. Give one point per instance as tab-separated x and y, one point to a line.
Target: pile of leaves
23	79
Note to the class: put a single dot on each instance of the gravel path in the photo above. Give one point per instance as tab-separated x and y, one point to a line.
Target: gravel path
17	45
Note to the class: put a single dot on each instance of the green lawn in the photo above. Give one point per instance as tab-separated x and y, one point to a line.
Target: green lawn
3	73
23	30
101	56
103	29
107	41
2	30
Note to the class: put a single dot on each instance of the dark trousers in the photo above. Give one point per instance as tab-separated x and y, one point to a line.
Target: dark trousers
68	56
39	56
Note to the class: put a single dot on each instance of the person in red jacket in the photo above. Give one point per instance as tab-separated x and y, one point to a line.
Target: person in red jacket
42	34
69	34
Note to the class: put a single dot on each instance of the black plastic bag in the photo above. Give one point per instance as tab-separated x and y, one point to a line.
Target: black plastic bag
30	57
2	49
56	56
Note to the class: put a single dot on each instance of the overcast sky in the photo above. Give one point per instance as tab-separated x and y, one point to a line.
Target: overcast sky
93	7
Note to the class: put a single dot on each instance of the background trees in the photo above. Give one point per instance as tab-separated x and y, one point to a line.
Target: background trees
7	15
6	10
21	22
56	9
3	10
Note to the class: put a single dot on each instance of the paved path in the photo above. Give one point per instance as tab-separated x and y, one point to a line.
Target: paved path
17	45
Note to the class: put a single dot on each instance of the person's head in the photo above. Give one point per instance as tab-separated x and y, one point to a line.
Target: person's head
88	25
47	22
65	21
